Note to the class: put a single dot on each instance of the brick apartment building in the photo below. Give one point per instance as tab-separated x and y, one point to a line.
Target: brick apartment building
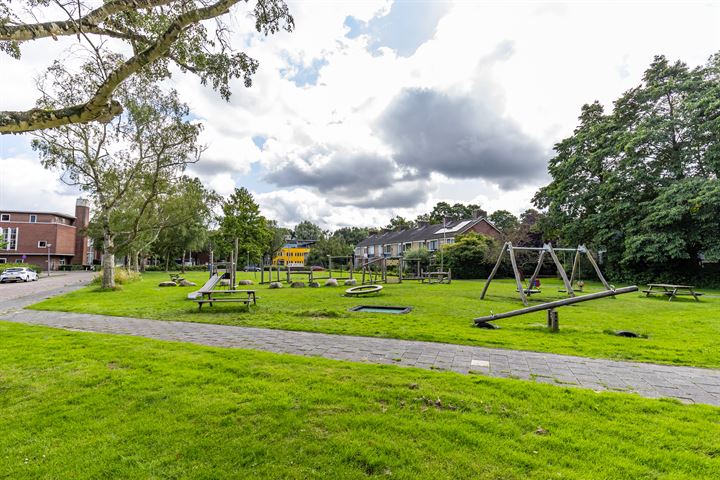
30	236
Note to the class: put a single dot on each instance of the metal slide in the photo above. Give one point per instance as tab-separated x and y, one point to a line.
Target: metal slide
209	285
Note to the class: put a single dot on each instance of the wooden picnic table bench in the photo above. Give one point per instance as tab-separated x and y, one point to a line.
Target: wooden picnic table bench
671	291
211	296
437	277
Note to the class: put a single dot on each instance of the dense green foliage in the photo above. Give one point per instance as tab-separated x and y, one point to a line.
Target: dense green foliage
241	220
79	405
470	256
642	181
306	230
415	255
681	332
335	246
504	220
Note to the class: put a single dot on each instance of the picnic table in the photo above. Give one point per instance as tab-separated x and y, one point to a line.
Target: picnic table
671	291
437	277
212	296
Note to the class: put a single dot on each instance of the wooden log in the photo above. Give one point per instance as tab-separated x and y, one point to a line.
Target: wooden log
553	322
561	270
494	270
576	264
520	288
557	303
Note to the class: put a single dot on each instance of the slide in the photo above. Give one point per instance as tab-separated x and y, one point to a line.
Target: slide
209	285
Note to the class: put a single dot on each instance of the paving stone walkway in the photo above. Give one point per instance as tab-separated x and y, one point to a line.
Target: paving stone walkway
691	385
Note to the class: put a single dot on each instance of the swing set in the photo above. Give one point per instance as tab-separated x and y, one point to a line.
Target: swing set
532	286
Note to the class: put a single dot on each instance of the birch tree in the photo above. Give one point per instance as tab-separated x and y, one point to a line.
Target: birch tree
123	165
157	32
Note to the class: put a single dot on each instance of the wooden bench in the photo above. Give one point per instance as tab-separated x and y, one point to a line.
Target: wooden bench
210	297
437	277
672	291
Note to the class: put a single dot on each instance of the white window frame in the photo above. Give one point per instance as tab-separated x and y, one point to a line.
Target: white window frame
432	245
62	261
450	240
4	217
371	250
387	249
44	244
32	219
3	260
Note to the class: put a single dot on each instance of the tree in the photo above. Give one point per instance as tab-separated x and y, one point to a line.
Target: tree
242	221
352	235
504	220
470	256
641	181
124	165
320	250
399	223
278	238
444	211
157	32
306	230
188	213
421	255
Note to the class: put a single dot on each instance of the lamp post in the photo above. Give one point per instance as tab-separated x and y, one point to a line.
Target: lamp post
48	245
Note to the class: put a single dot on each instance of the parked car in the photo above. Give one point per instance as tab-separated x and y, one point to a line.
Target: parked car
250	268
317	268
18	274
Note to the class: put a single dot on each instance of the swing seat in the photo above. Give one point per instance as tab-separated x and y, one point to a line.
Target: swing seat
530	291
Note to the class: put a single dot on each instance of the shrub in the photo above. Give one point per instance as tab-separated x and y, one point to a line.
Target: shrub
470	256
122	276
414	255
34	268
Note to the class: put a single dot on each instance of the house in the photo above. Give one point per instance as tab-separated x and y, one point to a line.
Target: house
34	237
395	243
293	253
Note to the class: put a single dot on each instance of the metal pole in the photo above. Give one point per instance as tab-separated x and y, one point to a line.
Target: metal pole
48	247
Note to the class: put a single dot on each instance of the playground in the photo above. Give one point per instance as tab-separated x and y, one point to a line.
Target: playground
681	332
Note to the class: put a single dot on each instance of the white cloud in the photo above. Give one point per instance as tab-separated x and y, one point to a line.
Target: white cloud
533	65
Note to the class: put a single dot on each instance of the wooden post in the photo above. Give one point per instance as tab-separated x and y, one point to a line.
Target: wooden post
553	321
494	270
449	275
561	270
329	266
212	263
535	274
401	267
576	264
597	270
521	289
234	266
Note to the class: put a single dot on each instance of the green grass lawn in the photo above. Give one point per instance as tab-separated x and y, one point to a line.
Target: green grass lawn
681	332
79	405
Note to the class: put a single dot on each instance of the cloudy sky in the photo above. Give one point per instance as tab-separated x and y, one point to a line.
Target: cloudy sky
375	108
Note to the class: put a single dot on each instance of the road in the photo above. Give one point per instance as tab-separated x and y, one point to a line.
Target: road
21	294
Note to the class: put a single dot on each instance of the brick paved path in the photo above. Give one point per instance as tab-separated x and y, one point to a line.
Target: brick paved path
684	383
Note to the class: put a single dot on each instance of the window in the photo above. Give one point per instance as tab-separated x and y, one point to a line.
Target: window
3	260
4	217
388	249
33	218
450	240
432	245
407	247
62	261
9	235
42	244
371	250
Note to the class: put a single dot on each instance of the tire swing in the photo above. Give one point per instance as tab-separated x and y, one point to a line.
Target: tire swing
362	290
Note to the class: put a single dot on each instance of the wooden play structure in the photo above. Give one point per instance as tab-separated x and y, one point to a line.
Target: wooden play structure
553	321
546	249
341	272
374	271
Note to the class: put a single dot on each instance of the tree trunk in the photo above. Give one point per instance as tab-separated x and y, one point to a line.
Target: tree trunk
182	263
167	262
134	261
108	277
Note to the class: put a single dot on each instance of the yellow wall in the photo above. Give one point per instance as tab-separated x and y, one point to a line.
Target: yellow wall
294	256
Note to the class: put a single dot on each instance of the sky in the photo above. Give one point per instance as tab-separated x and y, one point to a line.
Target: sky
376	108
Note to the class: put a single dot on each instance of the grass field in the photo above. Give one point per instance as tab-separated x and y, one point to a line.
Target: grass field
80	405
681	332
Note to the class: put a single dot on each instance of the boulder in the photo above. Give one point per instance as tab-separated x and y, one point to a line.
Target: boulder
331	282
245	282
275	285
297	285
167	284
225	282
313	284
351	282
187	283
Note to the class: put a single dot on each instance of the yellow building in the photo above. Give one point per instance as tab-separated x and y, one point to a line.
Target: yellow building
291	255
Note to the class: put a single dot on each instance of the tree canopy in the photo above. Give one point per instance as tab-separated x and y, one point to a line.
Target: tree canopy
157	32
642	180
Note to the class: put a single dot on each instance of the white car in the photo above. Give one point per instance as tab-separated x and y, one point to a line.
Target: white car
17	274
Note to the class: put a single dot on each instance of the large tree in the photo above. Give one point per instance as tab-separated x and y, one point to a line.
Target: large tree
157	32
243	222
125	165
306	230
444	211
504	220
642	181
